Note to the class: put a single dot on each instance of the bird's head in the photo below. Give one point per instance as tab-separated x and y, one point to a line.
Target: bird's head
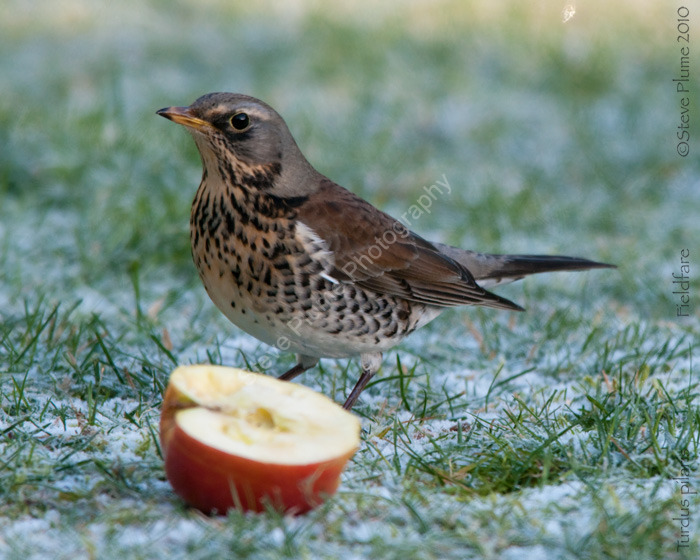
246	134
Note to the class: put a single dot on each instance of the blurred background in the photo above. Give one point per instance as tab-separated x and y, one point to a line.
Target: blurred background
554	135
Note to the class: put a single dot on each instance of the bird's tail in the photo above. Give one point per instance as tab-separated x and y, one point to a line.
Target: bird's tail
492	270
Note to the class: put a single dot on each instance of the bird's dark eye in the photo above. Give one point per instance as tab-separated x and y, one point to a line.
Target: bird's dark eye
240	121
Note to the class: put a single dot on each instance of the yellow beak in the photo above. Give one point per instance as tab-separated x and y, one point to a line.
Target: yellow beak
183	116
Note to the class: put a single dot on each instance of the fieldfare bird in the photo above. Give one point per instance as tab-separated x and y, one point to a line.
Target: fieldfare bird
305	265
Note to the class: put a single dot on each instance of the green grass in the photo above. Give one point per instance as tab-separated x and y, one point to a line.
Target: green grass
558	433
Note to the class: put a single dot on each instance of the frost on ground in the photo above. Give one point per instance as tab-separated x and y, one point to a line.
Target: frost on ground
486	435
96	480
549	522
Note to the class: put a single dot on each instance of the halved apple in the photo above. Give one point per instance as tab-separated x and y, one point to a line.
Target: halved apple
236	439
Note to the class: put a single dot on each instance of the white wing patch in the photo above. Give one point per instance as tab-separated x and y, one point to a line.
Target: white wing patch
317	249
329	278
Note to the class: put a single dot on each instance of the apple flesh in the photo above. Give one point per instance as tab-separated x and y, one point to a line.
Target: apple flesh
236	439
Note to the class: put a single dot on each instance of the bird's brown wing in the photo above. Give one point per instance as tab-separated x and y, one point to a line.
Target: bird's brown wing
377	252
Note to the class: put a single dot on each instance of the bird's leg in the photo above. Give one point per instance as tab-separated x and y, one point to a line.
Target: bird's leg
370	366
293	372
303	363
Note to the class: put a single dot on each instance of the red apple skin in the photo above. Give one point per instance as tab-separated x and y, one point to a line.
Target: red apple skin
214	481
